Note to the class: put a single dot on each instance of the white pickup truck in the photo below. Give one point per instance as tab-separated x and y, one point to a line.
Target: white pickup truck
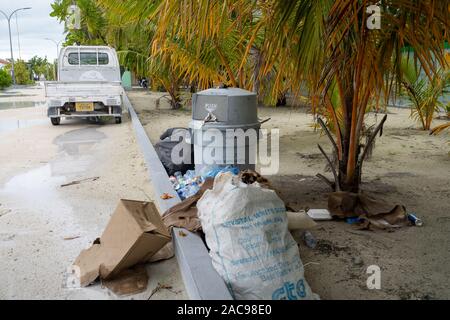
88	86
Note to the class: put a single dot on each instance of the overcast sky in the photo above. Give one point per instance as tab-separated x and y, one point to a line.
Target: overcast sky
34	26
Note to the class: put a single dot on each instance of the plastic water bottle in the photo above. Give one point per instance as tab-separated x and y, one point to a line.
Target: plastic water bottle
190	174
178	175
191	189
309	240
173	180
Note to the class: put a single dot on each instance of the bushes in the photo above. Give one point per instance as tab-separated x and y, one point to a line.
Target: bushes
5	79
23	74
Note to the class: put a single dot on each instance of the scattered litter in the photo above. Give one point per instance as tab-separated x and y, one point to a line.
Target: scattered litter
248	224
184	214
135	232
353	220
71	237
166	196
370	212
160	287
319	214
165	253
414	220
249	177
130	281
182	234
299	221
186	185
309	240
308	263
79	181
189	184
212	172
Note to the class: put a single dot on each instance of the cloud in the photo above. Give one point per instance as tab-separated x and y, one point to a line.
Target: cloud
34	26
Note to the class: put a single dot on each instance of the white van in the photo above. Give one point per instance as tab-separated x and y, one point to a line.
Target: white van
88	86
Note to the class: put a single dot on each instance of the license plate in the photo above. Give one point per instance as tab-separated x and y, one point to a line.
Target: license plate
84	106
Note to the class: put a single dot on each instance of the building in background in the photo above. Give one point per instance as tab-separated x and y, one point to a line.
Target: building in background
3	63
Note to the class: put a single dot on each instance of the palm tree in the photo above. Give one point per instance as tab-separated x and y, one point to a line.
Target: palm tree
207	42
423	92
336	51
135	46
204	42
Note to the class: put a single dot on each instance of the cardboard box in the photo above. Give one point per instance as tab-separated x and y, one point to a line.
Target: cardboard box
133	235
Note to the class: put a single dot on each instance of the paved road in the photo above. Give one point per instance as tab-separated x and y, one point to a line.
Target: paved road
44	226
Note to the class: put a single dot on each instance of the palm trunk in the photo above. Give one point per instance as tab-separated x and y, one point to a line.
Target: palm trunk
175	101
343	181
348	171
347	147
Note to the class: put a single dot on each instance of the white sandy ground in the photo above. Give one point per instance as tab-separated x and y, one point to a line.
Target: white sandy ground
408	167
36	214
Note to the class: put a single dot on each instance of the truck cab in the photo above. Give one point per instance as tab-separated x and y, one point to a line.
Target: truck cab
88	86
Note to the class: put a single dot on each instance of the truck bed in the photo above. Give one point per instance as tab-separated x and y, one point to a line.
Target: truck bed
68	99
82	89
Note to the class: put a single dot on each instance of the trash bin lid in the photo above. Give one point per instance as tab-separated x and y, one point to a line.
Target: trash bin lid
228	106
226	92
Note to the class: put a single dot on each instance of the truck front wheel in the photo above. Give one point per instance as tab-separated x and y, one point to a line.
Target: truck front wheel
55	121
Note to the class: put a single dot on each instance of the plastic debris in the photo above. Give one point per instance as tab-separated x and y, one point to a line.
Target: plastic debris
353	220
309	240
319	214
213	172
187	185
414	220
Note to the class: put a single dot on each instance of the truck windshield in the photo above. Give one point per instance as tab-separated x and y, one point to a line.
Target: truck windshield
88	58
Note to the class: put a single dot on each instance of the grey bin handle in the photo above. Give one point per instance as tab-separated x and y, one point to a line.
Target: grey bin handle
211	117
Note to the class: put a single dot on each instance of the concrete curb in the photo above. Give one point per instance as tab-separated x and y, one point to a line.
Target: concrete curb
201	280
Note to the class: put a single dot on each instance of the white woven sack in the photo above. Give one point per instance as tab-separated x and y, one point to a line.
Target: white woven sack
251	248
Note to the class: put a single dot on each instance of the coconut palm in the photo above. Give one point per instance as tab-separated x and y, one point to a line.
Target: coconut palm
334	48
424	93
207	42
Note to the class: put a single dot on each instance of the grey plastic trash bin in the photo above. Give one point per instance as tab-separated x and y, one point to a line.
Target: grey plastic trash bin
231	114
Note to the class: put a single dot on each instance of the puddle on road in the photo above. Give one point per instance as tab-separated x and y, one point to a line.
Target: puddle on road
38	189
35	188
38	212
79	136
21	104
7	125
76	151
